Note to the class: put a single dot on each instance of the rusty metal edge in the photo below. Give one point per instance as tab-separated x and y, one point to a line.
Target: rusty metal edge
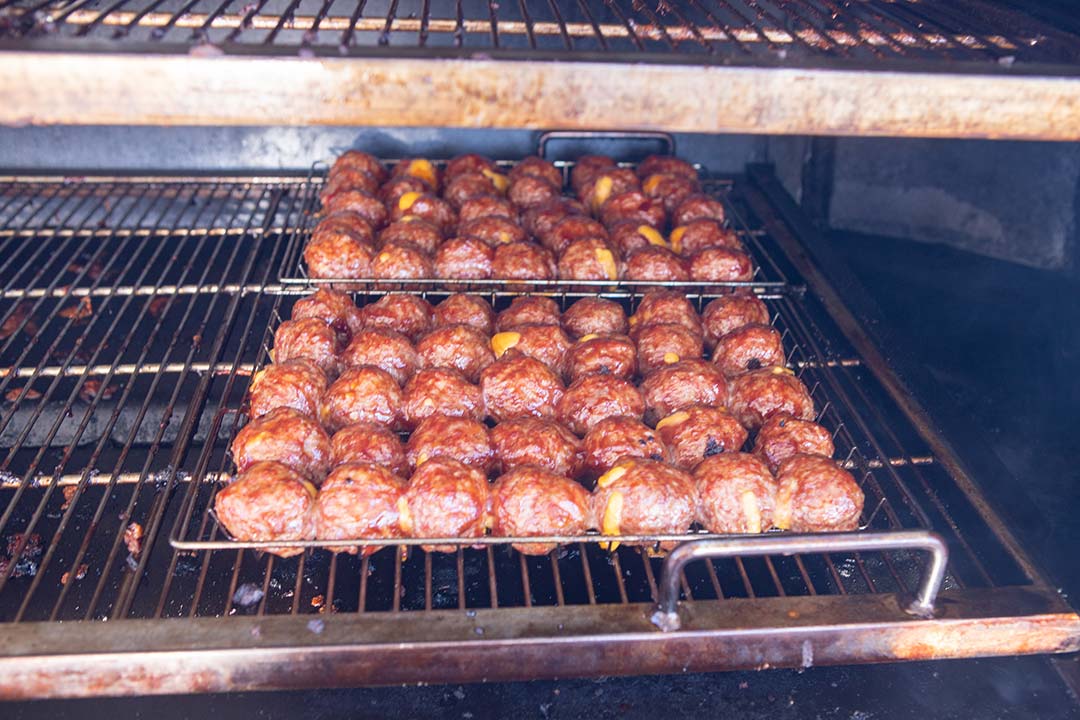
136	89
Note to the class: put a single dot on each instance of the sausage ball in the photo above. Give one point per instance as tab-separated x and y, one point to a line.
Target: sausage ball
532	501
298	384
413	231
700	431
360	161
359	500
698	207
814	494
464	258
470	185
571	228
736	494
369	443
757	395
483	206
680	385
669	190
782	436
308	338
531	190
520	386
441	391
334	253
666	165
614	355
633	207
539	220
410	315
285	436
363	204
593	398
344	180
731	312
606	185
699	235
402	262
662	345
587	167
749	348
395	189
363	394
721	265
523	261
534	165
461	309
528	310
268	501
456	346
644	497
334	308
445	498
385	349
427	207
423	170
494	231
546	343
595	316
462	439
590	259
656	264
537	441
661	307
618	437
467	163
630	237
345	223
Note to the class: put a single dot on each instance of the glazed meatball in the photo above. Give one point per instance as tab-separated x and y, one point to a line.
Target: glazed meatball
445	498
409	315
645	497
736	494
401	262
423	170
666	165
570	229
413	231
630	237
466	187
519	386
587	167
595	316
814	494
539	220
268	501
699	431
298	384
539	167
782	436
397	188
287	437
308	338
662	345
680	385
456	346
749	348
656	264
731	312
546	343
537	441
462	439
385	349
528	310
618	437
614	355
369	443
461	309
590	259
699	235
531	190
593	398
361	161
427	207
633	207
484	206
363	204
531	501
359	500
468	163
363	394
698	207
334	308
441	391
606	185
523	261
494	231
669	190
341	247
661	307
757	395
721	265
464	258
345	180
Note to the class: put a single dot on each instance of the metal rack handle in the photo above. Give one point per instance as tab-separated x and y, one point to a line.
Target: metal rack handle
667	618
667	139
